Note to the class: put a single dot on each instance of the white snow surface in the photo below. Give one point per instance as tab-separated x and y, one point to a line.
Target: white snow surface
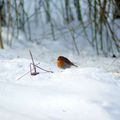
88	92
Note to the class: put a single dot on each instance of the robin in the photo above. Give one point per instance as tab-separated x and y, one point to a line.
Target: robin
63	62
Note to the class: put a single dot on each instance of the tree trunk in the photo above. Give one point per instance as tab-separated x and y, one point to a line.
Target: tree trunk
1	42
117	9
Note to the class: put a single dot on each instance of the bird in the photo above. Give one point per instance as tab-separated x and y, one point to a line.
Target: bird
63	62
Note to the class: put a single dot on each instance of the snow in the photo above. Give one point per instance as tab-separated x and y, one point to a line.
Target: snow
90	91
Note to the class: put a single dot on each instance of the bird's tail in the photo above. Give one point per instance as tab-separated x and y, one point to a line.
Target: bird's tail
75	65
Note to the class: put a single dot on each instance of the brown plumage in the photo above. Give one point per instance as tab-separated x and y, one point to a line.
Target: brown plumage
63	62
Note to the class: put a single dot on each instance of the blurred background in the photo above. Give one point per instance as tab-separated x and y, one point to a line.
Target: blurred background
76	22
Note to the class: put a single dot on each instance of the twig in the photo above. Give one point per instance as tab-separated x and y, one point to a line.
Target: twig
23	75
34	67
43	69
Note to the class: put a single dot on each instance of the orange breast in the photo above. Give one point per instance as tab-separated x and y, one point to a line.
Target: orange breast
60	63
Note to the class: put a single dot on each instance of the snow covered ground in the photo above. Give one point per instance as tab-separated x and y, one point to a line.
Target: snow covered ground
89	92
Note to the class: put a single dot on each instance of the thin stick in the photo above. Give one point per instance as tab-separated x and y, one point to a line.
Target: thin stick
43	69
34	68
23	75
